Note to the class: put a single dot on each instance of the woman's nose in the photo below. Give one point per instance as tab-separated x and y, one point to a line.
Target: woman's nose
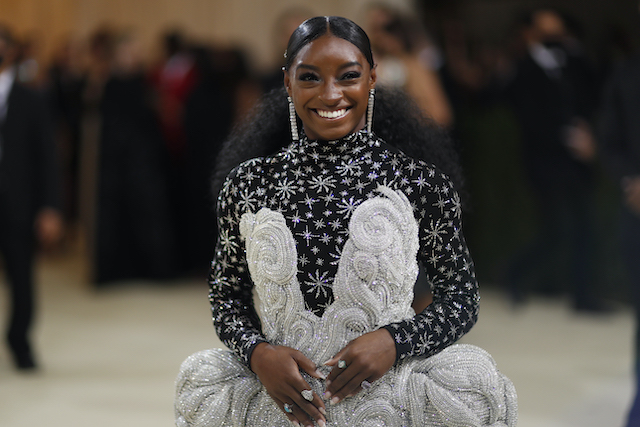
331	93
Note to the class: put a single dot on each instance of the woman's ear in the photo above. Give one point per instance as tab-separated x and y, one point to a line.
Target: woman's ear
373	77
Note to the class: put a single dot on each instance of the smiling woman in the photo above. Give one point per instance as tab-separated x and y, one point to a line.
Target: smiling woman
328	231
329	82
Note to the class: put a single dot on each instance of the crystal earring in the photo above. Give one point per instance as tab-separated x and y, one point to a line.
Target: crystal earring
372	93
293	120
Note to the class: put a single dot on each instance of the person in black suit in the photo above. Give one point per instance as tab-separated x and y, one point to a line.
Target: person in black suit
29	194
553	93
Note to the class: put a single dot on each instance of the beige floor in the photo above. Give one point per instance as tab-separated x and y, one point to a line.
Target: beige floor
110	357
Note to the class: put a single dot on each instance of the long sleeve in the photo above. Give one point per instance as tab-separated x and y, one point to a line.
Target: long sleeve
234	316
449	268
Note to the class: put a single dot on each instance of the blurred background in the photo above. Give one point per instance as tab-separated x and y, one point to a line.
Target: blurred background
141	94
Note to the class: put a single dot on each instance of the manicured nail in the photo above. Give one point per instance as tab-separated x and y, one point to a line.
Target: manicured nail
321	423
328	382
325	363
335	400
327	395
295	423
320	374
322	411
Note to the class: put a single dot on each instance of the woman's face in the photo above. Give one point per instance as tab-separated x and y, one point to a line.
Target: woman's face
329	82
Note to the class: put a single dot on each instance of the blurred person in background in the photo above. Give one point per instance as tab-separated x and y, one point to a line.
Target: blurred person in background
98	70
407	59
29	70
133	233
208	118
284	25
553	92
66	83
29	195
237	79
619	135
173	80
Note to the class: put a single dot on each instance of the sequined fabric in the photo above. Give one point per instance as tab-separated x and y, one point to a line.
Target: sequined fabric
458	387
329	234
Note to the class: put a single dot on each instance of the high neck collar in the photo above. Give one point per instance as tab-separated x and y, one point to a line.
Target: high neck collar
353	137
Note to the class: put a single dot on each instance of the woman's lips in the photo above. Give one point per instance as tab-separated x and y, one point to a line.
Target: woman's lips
335	114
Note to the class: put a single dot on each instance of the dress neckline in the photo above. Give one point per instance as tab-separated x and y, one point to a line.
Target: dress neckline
353	141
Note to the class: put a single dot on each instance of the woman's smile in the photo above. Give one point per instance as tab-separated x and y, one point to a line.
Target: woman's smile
336	114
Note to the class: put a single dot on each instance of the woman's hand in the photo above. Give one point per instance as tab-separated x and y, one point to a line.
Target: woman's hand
368	357
278	369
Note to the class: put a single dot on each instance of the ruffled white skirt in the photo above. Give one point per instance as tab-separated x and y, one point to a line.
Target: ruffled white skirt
458	387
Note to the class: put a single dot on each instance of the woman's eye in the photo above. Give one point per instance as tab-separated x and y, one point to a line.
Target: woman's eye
308	77
350	75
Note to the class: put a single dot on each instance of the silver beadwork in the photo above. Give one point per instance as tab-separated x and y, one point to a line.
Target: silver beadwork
307	395
293	120
372	93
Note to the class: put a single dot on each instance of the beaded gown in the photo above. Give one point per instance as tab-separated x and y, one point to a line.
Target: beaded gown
328	235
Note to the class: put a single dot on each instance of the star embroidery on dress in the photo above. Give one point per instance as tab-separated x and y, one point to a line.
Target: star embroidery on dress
322	183
307	235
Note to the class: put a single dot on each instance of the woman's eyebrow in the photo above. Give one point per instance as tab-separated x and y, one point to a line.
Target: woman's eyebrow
345	65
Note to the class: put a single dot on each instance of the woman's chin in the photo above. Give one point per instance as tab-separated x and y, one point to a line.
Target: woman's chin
331	134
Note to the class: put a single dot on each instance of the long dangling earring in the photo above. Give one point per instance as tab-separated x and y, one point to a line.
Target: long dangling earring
293	120
372	93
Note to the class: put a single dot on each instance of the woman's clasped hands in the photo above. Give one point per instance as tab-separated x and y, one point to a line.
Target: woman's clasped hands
354	368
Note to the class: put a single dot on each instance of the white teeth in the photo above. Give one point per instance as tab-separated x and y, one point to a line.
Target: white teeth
332	114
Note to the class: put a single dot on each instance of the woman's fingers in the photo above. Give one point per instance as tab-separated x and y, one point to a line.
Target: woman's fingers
287	408
307	365
299	409
351	388
367	357
286	384
347	383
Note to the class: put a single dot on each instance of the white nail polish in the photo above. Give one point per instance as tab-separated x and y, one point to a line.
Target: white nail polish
335	400
321	423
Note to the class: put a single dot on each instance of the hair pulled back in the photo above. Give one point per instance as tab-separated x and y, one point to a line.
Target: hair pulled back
337	26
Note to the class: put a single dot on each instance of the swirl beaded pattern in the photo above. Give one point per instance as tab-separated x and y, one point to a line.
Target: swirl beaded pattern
327	267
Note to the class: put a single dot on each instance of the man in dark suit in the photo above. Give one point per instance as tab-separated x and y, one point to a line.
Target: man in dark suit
29	195
554	95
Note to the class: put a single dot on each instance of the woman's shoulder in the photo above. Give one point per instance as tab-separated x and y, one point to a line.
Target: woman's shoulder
250	172
418	169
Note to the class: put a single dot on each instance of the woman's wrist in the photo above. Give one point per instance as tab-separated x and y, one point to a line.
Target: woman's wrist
255	355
